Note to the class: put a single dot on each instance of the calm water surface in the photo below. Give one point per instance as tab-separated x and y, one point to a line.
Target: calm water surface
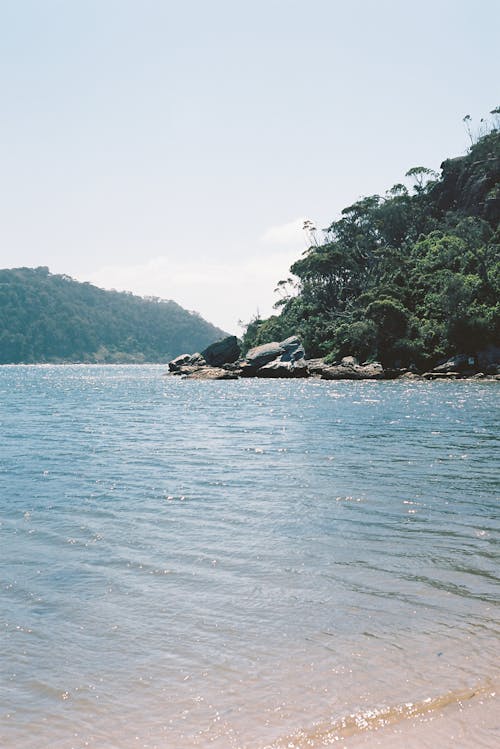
246	564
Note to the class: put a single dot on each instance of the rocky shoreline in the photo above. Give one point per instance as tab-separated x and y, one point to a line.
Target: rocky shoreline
286	360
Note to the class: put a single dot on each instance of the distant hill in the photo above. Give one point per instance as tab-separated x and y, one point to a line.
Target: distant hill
53	318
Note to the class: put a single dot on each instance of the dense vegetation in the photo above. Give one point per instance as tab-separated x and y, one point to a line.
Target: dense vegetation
52	318
408	278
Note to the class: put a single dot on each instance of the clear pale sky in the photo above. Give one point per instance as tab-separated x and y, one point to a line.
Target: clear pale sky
174	148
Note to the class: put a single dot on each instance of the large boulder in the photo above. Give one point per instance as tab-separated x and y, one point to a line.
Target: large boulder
260	355
289	351
293	349
222	352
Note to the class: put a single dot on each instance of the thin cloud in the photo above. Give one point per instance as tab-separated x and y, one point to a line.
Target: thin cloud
290	233
222	293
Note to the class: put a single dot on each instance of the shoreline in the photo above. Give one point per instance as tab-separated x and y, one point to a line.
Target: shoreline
205	373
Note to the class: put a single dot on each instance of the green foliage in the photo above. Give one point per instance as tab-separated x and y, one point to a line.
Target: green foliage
260	331
52	318
411	277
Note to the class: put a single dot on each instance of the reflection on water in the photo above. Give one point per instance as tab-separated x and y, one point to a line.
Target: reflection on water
246	564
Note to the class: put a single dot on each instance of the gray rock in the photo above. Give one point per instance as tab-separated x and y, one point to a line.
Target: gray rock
175	364
197	359
339	372
372	371
233	367
318	368
290	343
260	355
208	373
440	375
349	361
280	368
246	370
290	351
185	360
222	352
293	349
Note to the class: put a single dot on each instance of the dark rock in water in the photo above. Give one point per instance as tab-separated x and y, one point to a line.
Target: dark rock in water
222	352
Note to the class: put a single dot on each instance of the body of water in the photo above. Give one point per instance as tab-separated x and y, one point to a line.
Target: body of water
246	564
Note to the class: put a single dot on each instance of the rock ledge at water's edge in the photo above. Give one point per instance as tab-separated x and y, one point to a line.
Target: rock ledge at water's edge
222	360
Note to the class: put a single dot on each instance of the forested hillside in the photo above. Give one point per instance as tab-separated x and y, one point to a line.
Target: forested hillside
52	318
410	277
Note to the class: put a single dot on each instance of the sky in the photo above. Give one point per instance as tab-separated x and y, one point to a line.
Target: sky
174	149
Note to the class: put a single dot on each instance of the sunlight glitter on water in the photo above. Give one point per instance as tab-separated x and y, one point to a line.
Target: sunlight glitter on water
241	563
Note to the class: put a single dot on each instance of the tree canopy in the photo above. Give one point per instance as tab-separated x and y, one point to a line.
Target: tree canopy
409	277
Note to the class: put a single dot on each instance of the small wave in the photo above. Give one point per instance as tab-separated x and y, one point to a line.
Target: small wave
376	718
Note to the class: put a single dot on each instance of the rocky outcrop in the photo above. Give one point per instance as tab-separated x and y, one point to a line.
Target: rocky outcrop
441	375
186	360
348	369
489	360
293	349
261	355
207	373
277	359
280	368
222	352
286	359
458	363
213	373
486	362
